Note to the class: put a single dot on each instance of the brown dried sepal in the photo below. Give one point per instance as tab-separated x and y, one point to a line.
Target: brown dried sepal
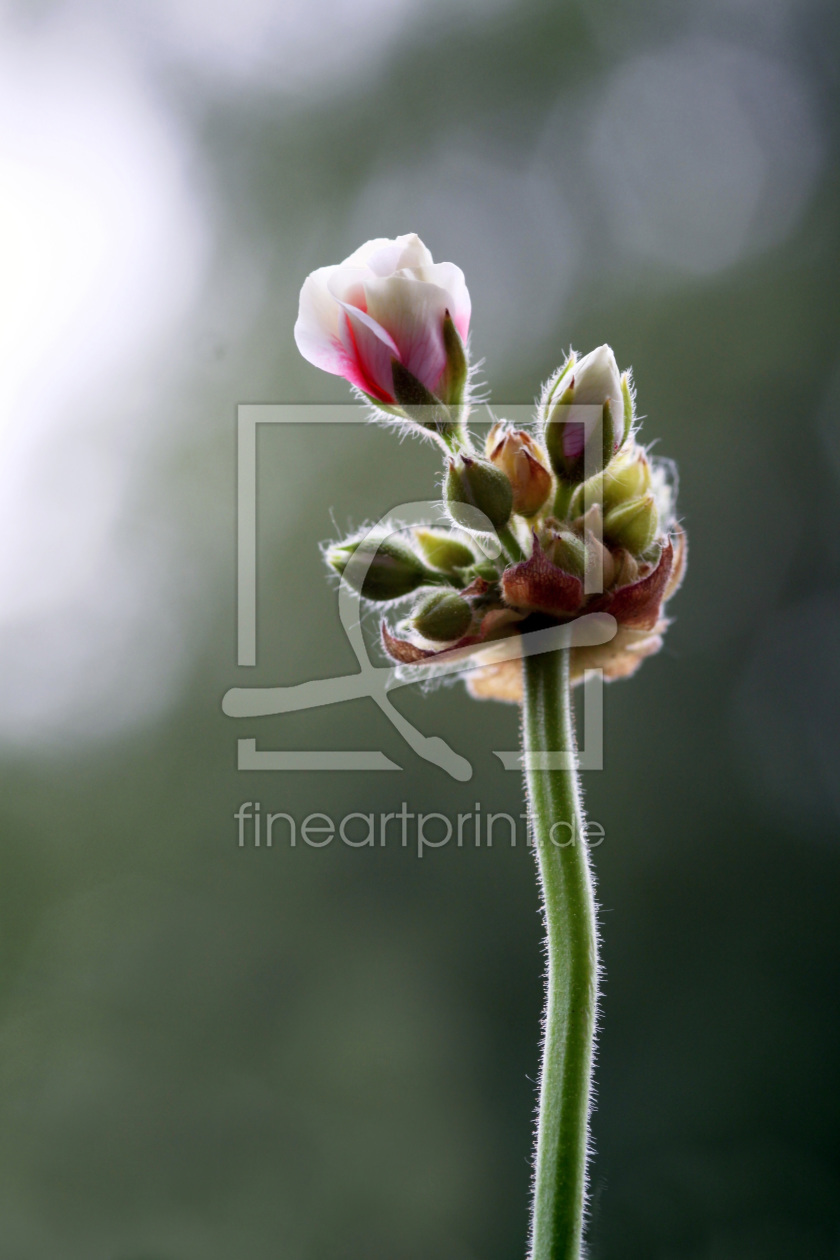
541	586
638	604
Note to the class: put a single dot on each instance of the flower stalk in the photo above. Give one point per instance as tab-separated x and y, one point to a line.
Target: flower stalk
558	834
585	523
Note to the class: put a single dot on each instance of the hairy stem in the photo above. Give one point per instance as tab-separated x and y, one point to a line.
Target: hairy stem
510	545
572	951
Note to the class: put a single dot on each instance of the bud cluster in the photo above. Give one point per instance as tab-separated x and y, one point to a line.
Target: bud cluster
584	517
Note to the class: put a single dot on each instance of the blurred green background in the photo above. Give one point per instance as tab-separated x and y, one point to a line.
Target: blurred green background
208	1051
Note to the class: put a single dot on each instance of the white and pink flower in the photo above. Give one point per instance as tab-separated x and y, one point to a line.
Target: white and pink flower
388	301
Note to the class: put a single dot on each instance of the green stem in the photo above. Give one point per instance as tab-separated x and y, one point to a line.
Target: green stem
510	545
563	499
572	948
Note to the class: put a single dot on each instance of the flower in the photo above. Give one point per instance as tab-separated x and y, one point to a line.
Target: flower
389	311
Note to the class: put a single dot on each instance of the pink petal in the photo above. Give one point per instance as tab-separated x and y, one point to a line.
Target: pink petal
369	352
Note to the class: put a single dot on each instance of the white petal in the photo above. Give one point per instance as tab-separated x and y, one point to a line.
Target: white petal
317	325
361	256
413	253
597	379
413	313
451	278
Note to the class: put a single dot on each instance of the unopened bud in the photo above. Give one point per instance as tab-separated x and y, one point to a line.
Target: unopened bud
394	571
486	570
568	552
478	484
628	477
517	455
587	493
444	551
443	617
571	426
633	524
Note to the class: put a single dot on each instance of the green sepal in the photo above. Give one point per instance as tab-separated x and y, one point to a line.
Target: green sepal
389	408
420	404
607	435
453	383
628	406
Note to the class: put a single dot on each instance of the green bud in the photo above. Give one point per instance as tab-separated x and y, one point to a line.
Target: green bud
591	491
395	570
568	552
628	477
633	524
444	551
442	617
486	570
477	483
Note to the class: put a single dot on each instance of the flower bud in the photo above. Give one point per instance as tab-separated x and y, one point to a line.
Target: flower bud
394	571
444	551
442	617
633	524
628	477
486	570
588	492
478	484
517	455
570	431
568	552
